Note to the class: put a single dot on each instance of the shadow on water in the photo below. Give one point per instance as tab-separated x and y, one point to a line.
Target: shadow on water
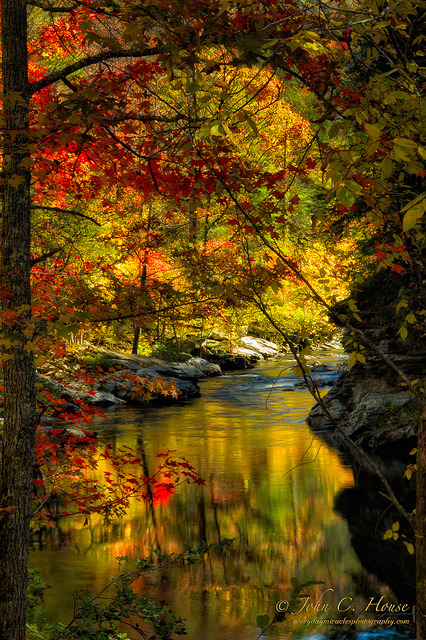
271	486
369	515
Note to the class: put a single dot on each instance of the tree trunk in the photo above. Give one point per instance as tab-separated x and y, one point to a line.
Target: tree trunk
421	529
136	336
16	475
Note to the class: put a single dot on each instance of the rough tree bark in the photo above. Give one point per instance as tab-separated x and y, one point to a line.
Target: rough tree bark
16	474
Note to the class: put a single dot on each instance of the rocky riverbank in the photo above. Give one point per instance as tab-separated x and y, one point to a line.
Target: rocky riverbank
130	379
370	402
109	378
370	405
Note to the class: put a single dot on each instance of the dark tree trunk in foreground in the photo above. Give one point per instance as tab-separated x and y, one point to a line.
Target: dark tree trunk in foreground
18	367
421	529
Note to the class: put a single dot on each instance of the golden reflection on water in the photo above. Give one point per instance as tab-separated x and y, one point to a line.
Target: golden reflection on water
270	485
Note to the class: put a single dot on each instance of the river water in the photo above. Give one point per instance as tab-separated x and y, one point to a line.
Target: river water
270	486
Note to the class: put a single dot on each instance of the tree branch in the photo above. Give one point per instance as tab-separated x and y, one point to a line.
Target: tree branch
313	390
45	256
316	295
55	76
145	118
147	312
71	212
52	9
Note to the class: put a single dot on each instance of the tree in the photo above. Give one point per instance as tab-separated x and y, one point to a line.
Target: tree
20	418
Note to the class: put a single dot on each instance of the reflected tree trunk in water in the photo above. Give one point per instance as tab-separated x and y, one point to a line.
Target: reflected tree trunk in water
150	501
202	525
217	527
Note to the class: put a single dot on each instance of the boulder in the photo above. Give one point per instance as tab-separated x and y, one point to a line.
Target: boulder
254	356
232	361
373	412
265	348
185	388
188	370
206	367
104	399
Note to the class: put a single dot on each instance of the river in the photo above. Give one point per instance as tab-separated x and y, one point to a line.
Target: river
270	486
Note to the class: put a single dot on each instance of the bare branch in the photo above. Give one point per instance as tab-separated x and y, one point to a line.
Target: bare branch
137	117
53	9
148	312
45	256
71	212
55	76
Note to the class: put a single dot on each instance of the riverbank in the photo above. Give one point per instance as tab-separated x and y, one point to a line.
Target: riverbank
102	377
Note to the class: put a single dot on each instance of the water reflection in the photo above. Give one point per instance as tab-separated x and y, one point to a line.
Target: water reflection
270	485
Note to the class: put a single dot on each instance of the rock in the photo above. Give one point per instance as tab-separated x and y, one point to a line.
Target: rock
188	371
105	399
232	361
371	411
74	431
263	347
134	382
145	372
186	389
321	367
254	356
208	368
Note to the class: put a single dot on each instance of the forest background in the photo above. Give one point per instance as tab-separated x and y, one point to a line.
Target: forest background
170	166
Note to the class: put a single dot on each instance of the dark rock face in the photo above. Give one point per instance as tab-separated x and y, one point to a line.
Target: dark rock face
369	409
369	402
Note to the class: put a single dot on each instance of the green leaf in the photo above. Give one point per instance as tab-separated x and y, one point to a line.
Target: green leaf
262	621
415	210
295	583
405	142
345	197
402	303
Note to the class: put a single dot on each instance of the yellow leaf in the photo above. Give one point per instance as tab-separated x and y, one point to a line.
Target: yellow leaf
403	332
410	547
373	131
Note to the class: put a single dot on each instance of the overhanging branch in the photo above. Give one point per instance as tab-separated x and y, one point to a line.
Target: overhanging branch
71	212
43	257
53	9
55	76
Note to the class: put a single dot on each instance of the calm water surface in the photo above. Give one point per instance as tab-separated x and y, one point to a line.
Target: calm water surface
270	485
